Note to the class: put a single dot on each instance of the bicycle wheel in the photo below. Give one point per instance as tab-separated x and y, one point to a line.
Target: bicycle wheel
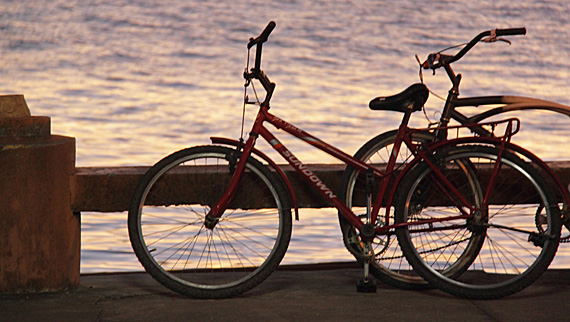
168	235
389	265
520	226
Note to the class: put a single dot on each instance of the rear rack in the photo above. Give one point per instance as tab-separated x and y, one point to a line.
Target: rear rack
507	128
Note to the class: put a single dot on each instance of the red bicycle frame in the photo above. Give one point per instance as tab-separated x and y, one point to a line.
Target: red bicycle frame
404	137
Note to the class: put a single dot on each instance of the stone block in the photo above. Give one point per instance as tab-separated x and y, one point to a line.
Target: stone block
39	233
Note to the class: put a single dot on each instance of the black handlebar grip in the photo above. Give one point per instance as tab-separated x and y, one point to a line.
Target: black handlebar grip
511	31
265	33
263	36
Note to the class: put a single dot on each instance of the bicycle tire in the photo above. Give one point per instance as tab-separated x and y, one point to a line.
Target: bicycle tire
168	235
506	262
389	265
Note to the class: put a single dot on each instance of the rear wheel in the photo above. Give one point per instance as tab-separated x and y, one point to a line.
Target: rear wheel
518	232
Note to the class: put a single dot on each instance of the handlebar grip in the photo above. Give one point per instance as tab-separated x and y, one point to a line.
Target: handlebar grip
263	36
268	29
511	31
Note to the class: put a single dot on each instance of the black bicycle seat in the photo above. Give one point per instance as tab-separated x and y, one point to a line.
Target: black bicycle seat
414	96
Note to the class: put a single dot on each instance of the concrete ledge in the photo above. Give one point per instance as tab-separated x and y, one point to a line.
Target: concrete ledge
104	189
110	189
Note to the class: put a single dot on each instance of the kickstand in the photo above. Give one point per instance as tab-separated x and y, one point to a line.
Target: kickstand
366	285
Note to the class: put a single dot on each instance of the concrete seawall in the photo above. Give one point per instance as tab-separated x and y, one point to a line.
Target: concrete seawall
39	234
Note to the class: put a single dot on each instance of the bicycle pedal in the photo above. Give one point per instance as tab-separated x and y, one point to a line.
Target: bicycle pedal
368	286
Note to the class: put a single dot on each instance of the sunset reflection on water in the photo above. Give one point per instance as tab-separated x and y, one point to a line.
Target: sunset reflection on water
316	238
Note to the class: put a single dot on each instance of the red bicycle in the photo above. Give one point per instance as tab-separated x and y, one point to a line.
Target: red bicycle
215	221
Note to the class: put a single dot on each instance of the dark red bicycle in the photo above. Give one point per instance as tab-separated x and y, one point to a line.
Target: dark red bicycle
215	221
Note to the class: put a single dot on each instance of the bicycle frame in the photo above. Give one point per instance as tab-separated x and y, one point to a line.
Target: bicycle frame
404	137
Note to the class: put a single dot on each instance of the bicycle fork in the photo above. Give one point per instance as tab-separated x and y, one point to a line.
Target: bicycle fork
212	218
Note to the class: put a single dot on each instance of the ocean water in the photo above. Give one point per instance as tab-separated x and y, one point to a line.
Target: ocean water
135	80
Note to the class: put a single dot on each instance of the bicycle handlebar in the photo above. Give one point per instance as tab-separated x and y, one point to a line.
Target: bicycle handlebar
256	72
258	41
438	60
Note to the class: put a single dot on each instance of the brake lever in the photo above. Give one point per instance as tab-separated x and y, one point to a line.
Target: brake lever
504	40
493	38
431	62
421	68
489	39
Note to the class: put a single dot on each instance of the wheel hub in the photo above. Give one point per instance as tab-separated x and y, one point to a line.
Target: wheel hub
210	223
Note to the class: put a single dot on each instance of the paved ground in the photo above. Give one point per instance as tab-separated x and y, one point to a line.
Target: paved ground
306	294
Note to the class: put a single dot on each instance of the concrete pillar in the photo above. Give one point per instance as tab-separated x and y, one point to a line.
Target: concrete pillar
39	234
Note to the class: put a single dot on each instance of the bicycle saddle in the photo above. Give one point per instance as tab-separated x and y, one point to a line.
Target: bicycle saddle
414	96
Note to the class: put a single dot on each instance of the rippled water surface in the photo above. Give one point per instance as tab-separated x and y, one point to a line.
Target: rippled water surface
136	80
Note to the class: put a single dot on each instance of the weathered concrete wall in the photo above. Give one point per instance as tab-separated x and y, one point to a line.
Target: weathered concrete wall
110	189
39	234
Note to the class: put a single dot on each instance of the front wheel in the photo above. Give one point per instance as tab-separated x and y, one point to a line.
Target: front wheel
518	227
168	235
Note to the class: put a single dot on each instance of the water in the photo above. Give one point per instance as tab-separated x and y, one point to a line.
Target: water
136	80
